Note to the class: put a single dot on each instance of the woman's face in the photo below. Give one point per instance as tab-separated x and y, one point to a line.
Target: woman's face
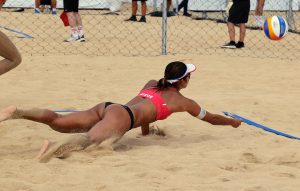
185	81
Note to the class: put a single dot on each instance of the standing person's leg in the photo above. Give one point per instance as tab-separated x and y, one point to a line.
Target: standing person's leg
10	53
144	11
70	8
259	7
184	5
53	7
245	9
70	123
259	19
78	19
37	6
233	18
73	26
231	31
169	4
185	8
79	27
242	32
240	44
134	8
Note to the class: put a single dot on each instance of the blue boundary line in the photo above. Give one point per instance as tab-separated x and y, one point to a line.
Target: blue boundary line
252	123
65	111
12	30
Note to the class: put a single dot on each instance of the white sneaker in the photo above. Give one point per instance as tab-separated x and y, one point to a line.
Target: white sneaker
72	39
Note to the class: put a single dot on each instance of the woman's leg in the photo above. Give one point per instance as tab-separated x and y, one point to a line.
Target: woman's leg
10	53
70	123
115	123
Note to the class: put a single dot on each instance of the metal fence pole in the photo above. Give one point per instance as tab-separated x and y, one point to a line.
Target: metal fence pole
290	18
164	27
155	5
176	4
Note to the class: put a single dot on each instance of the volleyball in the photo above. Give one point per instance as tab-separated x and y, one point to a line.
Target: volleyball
275	27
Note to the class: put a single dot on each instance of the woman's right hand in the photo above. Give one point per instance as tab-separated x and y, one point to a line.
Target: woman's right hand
236	122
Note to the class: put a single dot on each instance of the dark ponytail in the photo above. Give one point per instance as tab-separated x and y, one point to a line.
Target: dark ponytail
163	84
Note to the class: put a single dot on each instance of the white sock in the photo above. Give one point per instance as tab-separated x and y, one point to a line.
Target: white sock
80	30
74	32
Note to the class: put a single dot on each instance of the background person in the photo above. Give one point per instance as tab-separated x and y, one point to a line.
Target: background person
259	7
134	7
259	18
156	101
40	5
75	22
184	5
238	15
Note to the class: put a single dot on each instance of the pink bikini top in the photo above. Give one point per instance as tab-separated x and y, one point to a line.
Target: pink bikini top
162	110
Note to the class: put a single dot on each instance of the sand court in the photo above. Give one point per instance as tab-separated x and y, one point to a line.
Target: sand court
192	156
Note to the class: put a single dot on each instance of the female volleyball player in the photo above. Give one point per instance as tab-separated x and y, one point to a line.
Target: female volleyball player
156	101
8	51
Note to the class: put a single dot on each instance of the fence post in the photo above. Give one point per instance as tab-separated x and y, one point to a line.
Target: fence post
290	18
155	5
164	27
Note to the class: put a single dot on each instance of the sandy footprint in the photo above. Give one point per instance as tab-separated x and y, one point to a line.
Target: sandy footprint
7	113
55	150
63	148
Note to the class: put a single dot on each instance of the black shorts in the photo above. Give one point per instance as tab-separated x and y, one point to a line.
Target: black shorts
71	5
239	11
128	111
45	2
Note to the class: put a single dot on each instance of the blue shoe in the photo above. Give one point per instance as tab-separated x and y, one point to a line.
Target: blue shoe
54	12
37	11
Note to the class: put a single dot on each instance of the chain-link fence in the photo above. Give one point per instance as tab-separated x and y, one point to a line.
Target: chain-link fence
107	33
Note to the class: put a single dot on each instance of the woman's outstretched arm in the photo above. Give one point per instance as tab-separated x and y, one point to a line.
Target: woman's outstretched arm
215	119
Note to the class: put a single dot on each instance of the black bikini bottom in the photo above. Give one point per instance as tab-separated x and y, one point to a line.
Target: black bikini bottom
127	109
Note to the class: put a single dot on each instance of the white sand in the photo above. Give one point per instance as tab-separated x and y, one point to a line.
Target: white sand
193	156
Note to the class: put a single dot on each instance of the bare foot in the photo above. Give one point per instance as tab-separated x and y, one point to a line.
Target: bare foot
48	151
43	149
7	113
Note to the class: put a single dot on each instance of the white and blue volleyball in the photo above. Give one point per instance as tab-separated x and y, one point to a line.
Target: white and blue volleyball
275	27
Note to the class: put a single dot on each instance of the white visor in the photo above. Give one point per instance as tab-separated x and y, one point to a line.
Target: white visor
189	68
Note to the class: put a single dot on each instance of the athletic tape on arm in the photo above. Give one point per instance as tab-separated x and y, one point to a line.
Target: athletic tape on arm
202	114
